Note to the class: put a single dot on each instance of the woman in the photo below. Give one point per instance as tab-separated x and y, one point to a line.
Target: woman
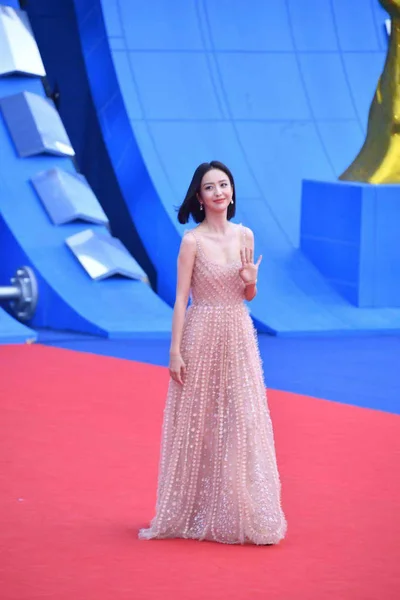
218	478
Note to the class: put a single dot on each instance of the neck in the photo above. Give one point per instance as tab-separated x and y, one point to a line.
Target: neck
217	222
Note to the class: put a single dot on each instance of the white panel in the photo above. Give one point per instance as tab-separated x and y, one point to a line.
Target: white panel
18	49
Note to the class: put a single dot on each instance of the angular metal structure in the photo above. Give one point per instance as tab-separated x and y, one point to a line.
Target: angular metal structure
68	197
103	256
18	49
35	125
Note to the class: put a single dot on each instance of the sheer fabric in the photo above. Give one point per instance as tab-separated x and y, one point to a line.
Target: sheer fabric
218	477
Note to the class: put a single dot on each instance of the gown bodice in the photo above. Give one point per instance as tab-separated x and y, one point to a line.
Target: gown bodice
213	284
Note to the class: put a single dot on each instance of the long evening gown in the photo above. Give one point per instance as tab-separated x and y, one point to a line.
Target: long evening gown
218	478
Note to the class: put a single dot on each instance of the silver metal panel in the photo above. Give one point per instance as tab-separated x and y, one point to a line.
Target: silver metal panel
68	197
102	256
18	49
35	125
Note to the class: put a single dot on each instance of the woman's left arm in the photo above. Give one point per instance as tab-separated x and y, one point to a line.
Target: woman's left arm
250	291
249	270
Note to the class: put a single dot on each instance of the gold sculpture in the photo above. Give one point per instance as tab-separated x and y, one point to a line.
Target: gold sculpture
379	159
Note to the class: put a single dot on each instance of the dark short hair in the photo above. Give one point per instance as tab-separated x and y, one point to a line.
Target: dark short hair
191	205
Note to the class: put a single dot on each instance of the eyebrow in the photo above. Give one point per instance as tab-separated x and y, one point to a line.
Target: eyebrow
211	182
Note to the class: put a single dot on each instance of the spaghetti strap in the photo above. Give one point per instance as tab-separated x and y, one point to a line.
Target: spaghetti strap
188	231
243	236
242	240
191	231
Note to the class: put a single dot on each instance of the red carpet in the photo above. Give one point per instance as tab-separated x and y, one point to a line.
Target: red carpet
79	438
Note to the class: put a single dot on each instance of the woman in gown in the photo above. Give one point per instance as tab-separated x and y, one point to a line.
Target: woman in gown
218	478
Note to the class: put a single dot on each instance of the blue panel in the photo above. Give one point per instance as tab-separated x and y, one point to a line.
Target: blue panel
35	125
117	43
363	71
249	26
263	86
350	232
112	18
355	24
158	74
18	50
68	197
386	249
333	134
69	299
331	100
281	154
20	84
160	24
379	17
312	27
213	140
330	233
319	200
123	69
367	281
103	256
13	3
339	263
144	135
112	118
235	83
12	331
100	68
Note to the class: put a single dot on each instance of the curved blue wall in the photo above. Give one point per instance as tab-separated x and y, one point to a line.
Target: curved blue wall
280	91
11	330
68	298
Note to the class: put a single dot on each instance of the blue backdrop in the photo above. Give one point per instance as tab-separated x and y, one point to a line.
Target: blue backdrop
280	91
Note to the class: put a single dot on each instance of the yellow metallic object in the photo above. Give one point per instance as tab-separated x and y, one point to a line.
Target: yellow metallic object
379	159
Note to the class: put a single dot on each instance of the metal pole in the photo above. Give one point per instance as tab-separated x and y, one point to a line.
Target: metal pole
9	293
22	295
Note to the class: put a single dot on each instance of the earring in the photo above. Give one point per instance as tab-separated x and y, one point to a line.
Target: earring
232	201
201	206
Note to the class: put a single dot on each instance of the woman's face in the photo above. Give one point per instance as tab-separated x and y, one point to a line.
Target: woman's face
215	191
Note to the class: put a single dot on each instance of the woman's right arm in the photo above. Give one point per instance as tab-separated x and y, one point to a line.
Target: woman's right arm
186	258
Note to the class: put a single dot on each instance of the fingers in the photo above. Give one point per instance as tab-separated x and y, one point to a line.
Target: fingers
178	376
243	256
182	374
247	256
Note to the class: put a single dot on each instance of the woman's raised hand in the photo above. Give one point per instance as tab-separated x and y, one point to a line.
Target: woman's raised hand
177	367
248	271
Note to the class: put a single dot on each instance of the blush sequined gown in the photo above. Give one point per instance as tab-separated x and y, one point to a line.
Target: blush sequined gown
218	478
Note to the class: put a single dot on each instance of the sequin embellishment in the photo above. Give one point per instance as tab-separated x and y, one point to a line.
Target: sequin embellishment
218	477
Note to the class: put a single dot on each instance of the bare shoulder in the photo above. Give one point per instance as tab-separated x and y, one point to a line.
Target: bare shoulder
188	243
249	235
